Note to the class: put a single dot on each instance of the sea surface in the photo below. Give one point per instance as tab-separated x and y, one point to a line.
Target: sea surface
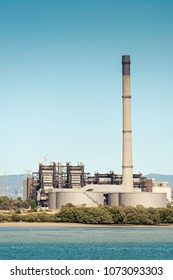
86	243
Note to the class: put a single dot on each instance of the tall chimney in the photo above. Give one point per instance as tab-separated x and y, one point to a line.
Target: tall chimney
127	167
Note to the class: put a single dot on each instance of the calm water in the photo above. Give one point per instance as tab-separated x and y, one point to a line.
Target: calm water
72	243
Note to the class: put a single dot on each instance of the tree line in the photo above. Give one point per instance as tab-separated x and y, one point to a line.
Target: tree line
116	215
7	203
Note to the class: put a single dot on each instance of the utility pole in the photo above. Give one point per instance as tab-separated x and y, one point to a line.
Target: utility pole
5	186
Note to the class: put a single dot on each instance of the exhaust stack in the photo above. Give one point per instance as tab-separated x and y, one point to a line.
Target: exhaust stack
127	167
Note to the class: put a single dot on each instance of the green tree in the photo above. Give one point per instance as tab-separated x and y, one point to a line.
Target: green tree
118	215
154	215
166	215
32	203
92	215
4	203
15	218
2	218
25	204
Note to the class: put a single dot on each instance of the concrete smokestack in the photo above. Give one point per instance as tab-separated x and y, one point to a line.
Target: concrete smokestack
127	167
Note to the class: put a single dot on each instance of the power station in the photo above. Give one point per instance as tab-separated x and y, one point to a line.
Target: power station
56	184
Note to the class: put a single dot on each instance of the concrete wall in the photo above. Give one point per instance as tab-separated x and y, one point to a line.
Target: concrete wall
58	199
163	189
113	199
160	184
144	198
52	200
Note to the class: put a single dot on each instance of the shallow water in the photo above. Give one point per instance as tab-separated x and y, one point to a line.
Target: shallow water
86	243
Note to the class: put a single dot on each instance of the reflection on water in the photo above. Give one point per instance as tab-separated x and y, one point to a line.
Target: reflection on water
86	243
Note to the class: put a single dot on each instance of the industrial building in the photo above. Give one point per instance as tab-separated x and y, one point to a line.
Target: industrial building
56	185
70	184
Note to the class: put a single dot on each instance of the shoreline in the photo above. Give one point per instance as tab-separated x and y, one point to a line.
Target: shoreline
45	224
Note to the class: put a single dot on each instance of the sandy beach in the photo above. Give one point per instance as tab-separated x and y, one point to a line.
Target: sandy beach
23	224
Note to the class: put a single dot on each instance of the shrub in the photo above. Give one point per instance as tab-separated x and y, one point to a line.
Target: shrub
53	218
17	204
138	216
18	211
8	218
68	205
90	215
39	218
166	215
130	213
118	215
42	217
29	218
7	203
15	218
108	215
2	218
68	214
32	203
154	215
32	210
25	204
99	215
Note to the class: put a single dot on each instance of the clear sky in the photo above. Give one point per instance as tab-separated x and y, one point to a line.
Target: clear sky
60	83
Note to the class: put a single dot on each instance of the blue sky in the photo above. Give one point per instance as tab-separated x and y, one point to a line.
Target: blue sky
60	86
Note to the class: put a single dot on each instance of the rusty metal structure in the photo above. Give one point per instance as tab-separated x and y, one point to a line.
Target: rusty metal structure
56	176
75	176
108	178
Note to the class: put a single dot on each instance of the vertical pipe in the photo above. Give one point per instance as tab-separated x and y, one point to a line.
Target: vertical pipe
127	167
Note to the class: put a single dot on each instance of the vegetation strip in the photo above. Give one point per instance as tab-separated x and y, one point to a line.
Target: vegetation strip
25	211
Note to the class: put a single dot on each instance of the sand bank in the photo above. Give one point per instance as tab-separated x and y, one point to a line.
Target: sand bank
23	224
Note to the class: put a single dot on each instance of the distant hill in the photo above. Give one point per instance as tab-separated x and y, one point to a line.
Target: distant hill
12	185
161	177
